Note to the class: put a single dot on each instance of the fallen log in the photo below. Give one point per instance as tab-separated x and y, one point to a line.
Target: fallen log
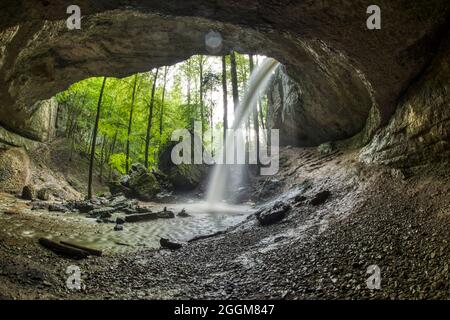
91	251
206	236
141	217
63	250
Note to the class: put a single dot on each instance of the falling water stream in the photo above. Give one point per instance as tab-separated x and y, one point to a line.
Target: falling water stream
217	188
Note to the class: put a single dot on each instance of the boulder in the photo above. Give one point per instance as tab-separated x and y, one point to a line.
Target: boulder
83	206
182	176
273	214
270	187
120	220
43	194
116	188
165	214
102	213
14	170
28	193
118	227
167	244
320	197
183	214
187	176
56	207
39	205
326	148
143	183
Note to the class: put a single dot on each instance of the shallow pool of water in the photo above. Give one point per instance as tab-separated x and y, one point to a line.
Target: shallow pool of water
203	220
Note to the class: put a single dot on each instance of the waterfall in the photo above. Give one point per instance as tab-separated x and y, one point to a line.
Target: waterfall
258	82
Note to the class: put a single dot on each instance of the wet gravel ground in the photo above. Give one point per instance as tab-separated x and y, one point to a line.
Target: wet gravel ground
374	216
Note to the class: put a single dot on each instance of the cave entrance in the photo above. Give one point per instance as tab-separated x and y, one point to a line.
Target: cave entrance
133	144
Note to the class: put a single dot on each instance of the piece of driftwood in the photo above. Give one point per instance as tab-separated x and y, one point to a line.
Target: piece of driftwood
141	217
91	251
63	249
206	236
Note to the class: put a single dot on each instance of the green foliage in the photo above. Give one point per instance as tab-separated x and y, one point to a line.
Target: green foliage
182	106
118	161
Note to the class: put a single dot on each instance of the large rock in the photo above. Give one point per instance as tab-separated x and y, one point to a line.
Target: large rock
28	193
182	176
42	125
143	183
14	169
273	214
305	119
186	176
419	131
8	139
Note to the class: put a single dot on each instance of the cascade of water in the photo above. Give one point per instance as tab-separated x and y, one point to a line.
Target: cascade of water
257	83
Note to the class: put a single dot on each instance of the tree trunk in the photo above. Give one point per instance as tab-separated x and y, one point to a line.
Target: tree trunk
189	83
94	139
225	105
255	114
89	143
130	123
201	95
268	120
211	123
234	80
150	117
161	113
102	157
261	114
111	151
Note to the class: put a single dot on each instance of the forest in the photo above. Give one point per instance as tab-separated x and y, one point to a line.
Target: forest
116	122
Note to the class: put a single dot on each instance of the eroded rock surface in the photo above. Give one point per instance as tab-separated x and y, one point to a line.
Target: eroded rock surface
419	132
343	69
14	169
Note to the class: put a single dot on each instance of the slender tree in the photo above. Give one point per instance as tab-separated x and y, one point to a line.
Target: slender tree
111	151
255	114
268	121
130	123
225	104
234	80
161	110
103	156
189	82
211	121
94	139
202	107
150	116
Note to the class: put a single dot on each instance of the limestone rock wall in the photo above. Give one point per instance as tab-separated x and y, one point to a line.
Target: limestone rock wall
342	78
305	119
14	169
344	69
419	131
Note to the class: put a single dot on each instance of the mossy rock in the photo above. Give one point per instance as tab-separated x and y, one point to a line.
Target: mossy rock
182	176
187	176
143	183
